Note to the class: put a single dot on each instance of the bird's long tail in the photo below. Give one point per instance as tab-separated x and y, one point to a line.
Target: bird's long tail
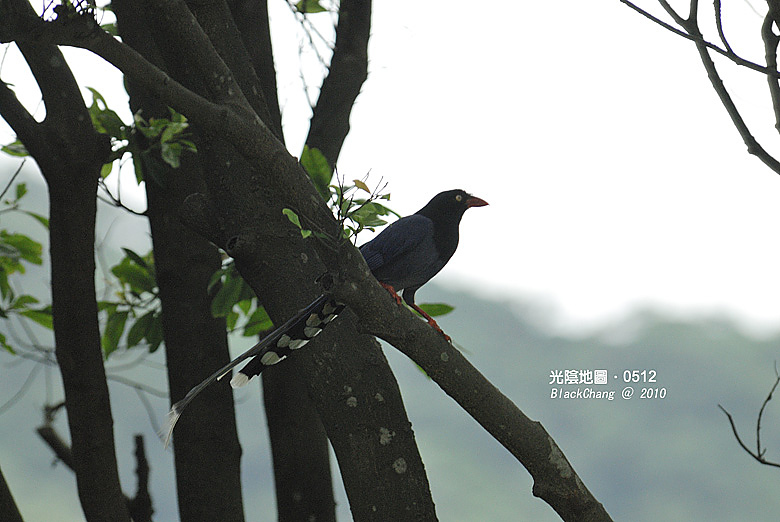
281	342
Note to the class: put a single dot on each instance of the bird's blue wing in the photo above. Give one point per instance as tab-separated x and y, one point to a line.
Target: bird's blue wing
396	240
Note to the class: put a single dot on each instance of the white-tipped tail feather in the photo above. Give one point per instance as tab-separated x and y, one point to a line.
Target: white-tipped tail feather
171	419
239	380
293	334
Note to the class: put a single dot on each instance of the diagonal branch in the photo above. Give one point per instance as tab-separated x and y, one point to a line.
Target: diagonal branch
555	481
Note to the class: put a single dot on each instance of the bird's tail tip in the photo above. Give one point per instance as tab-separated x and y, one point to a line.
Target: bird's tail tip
239	380
171	419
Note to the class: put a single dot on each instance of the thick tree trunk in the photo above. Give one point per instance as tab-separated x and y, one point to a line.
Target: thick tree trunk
206	448
70	154
299	445
383	481
77	336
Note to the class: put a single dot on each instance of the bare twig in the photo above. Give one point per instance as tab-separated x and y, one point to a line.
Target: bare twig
759	453
11	181
719	24
770	51
690	30
700	39
21	391
116	201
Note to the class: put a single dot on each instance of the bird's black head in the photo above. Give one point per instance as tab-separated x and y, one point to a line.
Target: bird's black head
445	210
450	205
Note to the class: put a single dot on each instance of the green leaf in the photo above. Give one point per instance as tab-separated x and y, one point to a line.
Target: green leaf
310	6
137	277
231	320
437	309
154	336
26	248
21	190
319	170
139	329
172	130
16	148
104	119
292	216
5	345
247	294
245	305
216	277
140	261
42	316
105	170
106	306
115	326
110	29
171	154
368	215
257	322
362	186
226	297
41	219
5	288
22	301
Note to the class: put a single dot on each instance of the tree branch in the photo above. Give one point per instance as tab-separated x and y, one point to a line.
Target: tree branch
348	71
692	32
555	481
770	51
8	510
700	39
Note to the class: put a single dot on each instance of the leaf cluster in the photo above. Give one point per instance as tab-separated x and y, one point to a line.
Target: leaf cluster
354	212
16	252
164	138
137	302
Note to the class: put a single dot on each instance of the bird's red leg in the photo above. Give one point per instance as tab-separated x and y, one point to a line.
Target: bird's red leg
431	322
391	290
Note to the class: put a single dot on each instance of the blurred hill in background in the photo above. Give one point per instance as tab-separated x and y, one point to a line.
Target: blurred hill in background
645	459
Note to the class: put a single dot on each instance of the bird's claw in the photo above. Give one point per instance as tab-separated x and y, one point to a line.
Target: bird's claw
392	292
433	323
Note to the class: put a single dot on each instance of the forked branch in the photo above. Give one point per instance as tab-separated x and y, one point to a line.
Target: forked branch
760	451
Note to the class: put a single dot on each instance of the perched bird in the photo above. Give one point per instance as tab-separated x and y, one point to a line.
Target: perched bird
408	253
403	257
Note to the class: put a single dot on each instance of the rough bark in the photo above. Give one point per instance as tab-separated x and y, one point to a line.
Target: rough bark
206	449
299	444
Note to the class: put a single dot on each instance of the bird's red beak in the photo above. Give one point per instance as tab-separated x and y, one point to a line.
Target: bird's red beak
475	202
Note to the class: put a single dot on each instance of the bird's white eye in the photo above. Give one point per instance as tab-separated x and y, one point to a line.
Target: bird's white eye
458	197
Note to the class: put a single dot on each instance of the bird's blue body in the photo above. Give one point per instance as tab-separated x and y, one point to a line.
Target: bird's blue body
404	255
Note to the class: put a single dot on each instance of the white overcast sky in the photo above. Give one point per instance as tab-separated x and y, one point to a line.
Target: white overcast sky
614	176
